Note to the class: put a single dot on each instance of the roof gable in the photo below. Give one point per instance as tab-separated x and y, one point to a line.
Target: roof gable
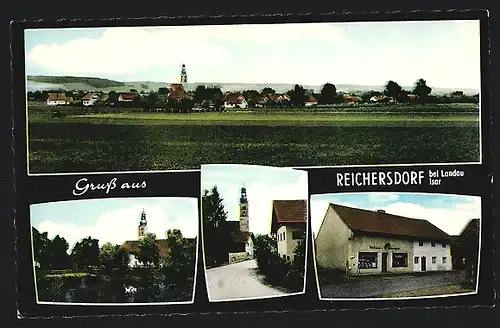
288	212
383	223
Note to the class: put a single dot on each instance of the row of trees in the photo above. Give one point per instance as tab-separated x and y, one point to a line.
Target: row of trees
86	255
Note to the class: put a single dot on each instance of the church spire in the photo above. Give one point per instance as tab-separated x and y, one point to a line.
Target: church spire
184	77
143	225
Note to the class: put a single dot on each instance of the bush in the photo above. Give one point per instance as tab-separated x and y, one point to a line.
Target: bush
275	269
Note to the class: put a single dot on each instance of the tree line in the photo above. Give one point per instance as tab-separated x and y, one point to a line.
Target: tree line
87	256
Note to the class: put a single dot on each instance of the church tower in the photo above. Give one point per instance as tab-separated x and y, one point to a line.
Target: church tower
142	229
244	224
184	77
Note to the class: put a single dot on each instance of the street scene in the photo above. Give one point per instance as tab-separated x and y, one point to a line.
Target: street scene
254	231
238	280
395	245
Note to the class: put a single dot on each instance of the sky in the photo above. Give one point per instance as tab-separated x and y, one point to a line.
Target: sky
264	184
450	213
115	220
445	53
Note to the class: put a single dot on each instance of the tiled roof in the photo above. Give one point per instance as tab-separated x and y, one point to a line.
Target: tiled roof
383	223
290	211
57	96
89	95
132	245
128	95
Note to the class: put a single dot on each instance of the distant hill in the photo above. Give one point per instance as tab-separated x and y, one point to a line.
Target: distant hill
75	80
106	85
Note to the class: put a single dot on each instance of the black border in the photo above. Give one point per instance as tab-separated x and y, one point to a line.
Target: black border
24	182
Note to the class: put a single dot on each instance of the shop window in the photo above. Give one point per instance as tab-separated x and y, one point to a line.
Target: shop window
399	260
415	260
367	260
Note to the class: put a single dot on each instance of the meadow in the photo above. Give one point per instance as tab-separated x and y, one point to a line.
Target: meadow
166	141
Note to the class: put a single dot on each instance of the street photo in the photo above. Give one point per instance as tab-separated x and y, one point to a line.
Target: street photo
385	245
116	251
156	98
254	231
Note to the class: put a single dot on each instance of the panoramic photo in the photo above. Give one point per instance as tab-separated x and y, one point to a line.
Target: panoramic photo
115	251
254	225
306	94
395	245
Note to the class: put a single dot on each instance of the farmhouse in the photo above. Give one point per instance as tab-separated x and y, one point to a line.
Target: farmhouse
311	101
91	98
288	225
127	96
54	99
371	242
132	246
235	100
379	99
351	99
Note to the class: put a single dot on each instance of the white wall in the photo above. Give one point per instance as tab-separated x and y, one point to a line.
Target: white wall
332	242
249	247
286	243
428	251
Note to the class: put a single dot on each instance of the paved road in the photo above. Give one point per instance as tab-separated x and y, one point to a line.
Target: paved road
359	287
237	281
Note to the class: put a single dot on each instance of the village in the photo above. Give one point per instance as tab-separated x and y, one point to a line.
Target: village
212	98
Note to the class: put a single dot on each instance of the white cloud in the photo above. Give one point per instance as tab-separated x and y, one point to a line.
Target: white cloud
117	226
382	196
450	220
129	50
125	50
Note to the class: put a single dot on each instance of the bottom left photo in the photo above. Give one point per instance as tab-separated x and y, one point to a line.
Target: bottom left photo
115	251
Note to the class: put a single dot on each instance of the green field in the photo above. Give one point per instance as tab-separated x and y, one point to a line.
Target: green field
159	141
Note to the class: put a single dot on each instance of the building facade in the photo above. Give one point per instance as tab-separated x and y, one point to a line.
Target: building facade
358	241
288	225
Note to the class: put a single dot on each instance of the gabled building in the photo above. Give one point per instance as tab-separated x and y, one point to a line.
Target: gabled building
311	101
177	93
127	96
359	241
59	98
235	100
91	98
288	225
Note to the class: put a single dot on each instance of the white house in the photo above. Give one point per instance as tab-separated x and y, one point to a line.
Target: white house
54	99
359	241
431	256
235	100
288	225
90	98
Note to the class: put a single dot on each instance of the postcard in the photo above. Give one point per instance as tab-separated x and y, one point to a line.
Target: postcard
180	166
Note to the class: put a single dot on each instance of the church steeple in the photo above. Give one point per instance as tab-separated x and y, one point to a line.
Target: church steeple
244	224
184	77
143	225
